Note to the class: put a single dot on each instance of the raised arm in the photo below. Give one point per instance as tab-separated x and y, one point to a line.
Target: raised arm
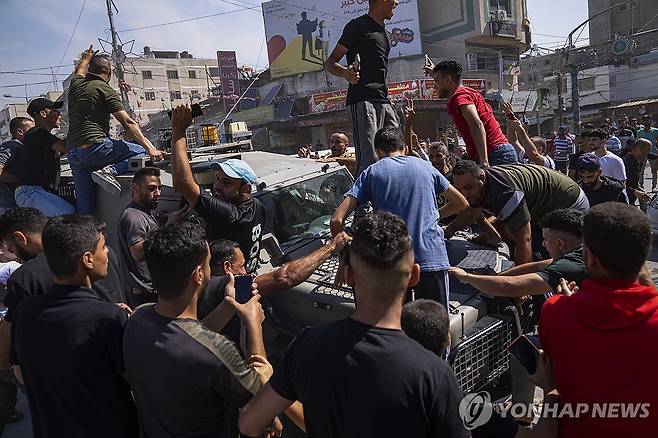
181	118
342	212
456	202
476	128
83	65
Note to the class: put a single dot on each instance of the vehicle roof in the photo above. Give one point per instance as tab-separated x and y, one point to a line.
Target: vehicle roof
271	168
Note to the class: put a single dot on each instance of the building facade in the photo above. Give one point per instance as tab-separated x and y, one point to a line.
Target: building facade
19	110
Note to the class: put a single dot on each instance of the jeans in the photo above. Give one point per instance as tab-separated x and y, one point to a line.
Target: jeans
503	154
83	161
47	203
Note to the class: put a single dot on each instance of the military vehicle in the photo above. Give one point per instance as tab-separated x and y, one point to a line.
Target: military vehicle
299	196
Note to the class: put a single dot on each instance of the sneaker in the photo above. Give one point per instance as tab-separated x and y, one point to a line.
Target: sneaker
106	180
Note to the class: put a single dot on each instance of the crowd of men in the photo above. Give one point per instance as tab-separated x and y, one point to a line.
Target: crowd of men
148	339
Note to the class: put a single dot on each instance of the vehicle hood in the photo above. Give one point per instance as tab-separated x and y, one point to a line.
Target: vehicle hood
612	304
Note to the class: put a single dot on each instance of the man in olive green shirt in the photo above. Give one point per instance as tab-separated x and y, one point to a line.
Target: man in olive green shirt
92	154
518	195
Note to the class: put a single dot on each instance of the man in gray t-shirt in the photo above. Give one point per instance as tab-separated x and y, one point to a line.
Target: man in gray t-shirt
135	223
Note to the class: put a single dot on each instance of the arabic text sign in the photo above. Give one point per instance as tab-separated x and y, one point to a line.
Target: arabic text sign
228	77
476	84
301	33
522	101
335	100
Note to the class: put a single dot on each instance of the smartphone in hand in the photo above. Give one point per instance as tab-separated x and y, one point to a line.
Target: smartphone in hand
196	111
356	65
243	285
525	352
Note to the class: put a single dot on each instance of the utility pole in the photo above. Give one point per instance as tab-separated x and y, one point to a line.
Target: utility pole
117	57
500	72
575	98
560	99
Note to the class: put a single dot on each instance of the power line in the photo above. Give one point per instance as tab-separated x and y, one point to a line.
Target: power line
23	85
184	20
72	34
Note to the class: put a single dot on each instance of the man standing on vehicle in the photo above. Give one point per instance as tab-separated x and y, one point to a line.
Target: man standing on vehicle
230	211
485	142
92	154
9	151
368	107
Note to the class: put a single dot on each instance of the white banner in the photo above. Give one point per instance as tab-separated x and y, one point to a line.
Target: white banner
302	33
522	101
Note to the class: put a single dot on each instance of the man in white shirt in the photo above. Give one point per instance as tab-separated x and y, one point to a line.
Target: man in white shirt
611	165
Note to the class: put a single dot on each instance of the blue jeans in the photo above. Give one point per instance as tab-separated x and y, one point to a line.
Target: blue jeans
41	199
503	154
83	161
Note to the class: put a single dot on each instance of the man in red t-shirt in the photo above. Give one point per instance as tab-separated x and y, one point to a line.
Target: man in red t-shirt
601	339
485	142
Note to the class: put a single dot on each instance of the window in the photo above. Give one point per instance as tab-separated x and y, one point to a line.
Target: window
172	74
147	74
194	94
149	95
586	84
213	71
173	95
500	5
192	74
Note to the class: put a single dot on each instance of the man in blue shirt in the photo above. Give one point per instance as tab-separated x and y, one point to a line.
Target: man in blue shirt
408	187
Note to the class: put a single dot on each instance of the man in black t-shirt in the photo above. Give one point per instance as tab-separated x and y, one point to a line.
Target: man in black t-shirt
598	188
9	152
362	376
135	223
66	345
368	106
562	230
37	167
635	161
231	211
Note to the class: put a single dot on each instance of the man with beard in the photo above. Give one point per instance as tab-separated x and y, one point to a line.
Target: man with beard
231	212
485	142
597	187
136	222
368	106
611	165
339	154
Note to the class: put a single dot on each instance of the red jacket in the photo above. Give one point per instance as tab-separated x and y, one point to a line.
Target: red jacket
603	344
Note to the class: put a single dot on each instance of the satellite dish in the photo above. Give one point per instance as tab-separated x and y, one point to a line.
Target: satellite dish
621	46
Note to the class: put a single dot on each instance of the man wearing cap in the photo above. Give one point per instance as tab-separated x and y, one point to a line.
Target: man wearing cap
597	187
37	166
93	155
611	165
231	212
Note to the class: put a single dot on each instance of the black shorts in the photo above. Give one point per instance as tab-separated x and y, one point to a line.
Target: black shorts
432	285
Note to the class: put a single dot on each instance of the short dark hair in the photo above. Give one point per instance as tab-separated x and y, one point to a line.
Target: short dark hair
172	253
100	64
142	173
24	219
389	140
427	322
66	238
612	226
381	240
599	133
466	166
567	220
222	250
17	123
452	68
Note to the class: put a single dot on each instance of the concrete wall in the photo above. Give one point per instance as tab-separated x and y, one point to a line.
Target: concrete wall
634	82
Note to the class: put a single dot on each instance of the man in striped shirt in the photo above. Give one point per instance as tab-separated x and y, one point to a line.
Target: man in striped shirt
563	148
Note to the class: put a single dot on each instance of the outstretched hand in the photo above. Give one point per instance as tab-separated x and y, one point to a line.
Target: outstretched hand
408	113
508	110
181	117
89	53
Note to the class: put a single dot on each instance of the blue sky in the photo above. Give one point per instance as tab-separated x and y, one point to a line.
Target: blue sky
34	33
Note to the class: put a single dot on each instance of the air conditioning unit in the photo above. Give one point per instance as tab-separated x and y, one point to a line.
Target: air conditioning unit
501	15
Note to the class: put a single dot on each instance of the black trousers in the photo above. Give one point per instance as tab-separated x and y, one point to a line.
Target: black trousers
433	285
8	393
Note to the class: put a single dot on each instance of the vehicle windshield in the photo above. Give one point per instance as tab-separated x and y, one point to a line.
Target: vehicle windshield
303	210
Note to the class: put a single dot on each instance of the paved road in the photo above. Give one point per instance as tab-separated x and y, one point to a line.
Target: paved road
23	428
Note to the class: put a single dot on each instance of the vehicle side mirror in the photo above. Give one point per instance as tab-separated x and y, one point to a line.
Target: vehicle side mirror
270	244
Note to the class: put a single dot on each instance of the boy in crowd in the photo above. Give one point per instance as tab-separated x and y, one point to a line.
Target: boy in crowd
473	116
610	310
66	346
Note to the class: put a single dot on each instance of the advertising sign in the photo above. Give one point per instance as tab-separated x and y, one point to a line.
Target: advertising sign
255	116
522	101
301	33
228	77
332	101
476	84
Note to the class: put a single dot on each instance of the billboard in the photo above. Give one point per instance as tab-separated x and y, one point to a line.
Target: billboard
302	33
335	100
228	78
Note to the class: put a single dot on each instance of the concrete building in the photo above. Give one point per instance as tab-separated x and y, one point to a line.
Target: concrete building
622	21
